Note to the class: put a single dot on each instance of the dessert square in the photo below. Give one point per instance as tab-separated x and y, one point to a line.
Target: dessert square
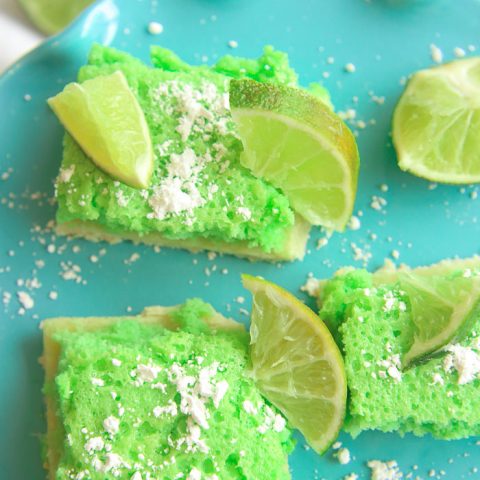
200	196
164	395
371	318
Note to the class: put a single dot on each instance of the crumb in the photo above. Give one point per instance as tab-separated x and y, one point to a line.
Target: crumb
343	456
377	202
459	52
385	470
133	258
322	242
26	301
311	286
436	53
350	68
232	44
155	28
354	223
53	295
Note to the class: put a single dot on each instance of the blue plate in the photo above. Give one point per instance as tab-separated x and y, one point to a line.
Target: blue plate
386	41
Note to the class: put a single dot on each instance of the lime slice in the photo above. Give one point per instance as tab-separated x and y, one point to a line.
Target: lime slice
436	123
50	16
296	142
296	363
443	310
104	117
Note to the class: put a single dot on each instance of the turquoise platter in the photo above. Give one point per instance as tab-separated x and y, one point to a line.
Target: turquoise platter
385	40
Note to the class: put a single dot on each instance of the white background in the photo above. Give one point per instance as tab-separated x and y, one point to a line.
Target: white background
17	35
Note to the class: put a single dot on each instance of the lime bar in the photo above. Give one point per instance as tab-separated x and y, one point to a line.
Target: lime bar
379	318
199	196
164	395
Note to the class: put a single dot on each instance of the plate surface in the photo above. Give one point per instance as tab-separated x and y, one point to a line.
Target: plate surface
386	41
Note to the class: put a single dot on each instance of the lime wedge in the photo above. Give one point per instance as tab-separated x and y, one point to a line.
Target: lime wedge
443	310
296	363
292	139
51	16
436	123
104	117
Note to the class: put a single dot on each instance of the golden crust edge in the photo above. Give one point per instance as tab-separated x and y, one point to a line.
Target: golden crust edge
294	248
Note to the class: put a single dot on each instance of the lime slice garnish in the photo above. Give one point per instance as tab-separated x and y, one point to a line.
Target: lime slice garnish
296	142
50	16
105	118
296	363
443	310
436	123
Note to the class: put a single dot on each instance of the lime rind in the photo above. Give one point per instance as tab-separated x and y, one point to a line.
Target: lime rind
303	376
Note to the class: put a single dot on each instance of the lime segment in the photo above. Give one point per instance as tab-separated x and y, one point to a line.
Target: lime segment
296	363
105	118
51	16
436	123
443	309
292	139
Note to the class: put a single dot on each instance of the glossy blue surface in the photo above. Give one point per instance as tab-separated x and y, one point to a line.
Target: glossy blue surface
385	40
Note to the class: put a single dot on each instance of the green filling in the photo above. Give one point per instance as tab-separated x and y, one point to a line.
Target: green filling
235	205
374	328
90	389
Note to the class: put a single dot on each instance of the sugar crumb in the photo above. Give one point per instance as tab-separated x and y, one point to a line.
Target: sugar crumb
350	68
26	301
311	286
155	28
436	53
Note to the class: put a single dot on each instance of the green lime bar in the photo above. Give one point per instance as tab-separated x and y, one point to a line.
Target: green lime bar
371	317
200	196
162	395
